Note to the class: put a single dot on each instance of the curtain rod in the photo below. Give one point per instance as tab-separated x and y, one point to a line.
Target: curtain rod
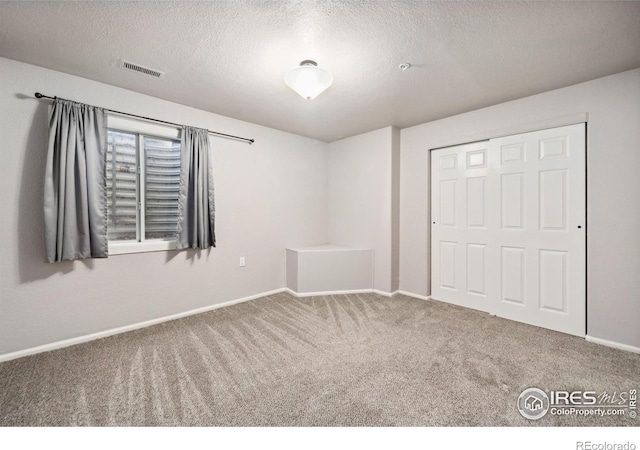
250	141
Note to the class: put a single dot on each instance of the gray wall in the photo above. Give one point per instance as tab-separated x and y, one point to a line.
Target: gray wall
269	196
361	194
613	207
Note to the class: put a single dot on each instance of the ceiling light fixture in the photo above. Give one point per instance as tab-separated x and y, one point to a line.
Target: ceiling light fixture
308	80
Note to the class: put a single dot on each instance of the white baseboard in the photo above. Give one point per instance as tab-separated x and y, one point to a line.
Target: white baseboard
618	345
409	294
135	326
383	293
354	291
314	294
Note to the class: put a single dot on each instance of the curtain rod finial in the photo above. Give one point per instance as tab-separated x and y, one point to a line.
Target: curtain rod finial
39	95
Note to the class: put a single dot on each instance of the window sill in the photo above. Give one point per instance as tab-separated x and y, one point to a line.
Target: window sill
123	247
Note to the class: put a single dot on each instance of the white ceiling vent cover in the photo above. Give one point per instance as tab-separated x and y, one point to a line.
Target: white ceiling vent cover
141	69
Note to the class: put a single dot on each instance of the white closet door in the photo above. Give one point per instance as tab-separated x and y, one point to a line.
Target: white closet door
542	265
461	237
508	227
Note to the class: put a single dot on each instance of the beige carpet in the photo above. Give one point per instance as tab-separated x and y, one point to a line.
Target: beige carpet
348	360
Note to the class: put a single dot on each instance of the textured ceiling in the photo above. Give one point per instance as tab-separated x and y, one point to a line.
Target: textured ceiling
229	57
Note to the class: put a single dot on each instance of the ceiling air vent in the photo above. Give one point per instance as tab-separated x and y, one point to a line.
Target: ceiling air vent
142	69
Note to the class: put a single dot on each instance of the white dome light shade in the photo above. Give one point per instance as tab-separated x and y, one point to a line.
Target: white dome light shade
308	80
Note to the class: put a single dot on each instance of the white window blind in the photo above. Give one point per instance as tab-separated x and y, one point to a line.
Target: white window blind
162	187
122	186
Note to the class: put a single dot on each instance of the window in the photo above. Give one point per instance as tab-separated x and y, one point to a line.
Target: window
143	183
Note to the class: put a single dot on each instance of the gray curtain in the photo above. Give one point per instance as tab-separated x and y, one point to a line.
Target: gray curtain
75	208
196	205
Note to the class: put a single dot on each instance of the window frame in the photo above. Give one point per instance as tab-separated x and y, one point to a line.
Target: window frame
141	129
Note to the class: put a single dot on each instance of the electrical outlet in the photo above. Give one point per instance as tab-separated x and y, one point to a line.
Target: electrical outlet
242	261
